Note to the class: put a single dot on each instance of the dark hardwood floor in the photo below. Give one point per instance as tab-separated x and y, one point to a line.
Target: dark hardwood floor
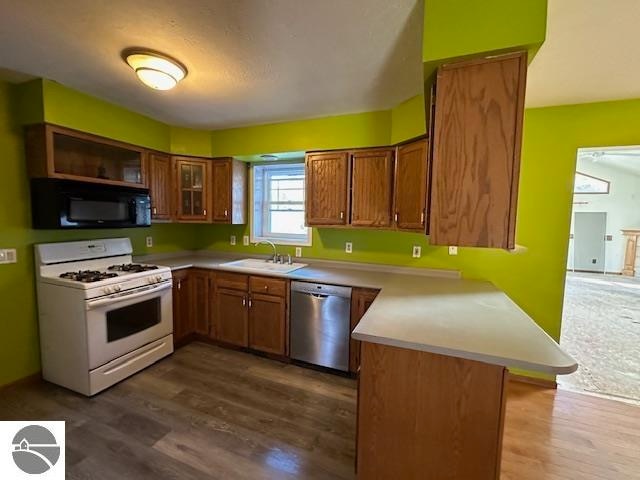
209	413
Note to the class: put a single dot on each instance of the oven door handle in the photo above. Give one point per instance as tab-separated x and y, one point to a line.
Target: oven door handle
91	304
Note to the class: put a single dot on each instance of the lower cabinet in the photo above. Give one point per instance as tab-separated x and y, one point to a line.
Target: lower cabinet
235	309
231	317
200	300
267	315
182	317
361	300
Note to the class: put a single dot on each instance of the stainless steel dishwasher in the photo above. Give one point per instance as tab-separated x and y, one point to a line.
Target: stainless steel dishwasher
320	324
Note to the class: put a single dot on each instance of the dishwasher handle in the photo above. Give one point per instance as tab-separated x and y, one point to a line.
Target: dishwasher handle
319	289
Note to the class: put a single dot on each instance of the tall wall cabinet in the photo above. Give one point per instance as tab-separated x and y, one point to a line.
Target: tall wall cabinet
477	136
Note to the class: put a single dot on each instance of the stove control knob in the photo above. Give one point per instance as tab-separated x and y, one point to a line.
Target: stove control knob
117	288
158	278
107	290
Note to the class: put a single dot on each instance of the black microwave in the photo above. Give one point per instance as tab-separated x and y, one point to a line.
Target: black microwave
66	204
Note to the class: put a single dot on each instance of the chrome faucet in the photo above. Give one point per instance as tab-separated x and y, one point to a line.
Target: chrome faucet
275	251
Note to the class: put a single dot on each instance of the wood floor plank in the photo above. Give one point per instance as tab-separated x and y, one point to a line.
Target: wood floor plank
209	413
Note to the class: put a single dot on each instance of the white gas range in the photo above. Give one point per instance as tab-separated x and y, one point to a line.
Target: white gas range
102	318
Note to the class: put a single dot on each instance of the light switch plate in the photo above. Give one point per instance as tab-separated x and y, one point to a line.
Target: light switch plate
298	252
149	241
8	255
245	240
348	247
232	240
417	251
453	250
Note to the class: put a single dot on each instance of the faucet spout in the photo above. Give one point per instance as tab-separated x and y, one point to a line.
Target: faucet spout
275	251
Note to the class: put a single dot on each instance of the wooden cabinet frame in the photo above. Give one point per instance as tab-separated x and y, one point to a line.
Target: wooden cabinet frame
40	154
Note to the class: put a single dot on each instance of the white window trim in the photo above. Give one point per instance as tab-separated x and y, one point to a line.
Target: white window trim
276	240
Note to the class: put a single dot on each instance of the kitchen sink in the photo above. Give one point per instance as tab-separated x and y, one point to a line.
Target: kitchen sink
258	265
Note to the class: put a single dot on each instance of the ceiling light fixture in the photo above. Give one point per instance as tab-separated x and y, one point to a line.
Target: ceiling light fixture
269	157
154	69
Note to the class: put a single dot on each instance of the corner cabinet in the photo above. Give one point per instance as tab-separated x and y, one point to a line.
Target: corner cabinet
58	152
192	189
183	325
477	136
160	185
411	186
327	188
361	300
229	182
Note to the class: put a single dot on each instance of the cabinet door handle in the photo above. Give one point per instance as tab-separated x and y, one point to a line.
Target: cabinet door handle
395	217
244	301
155	210
226	212
341	215
250	302
205	212
422	218
179	284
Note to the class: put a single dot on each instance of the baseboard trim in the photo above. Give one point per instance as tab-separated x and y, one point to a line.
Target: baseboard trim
540	382
34	378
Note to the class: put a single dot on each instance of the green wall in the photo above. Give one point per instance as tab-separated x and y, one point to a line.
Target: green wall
408	119
342	131
457	28
19	351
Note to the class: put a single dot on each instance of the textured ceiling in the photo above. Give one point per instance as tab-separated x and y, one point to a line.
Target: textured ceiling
249	61
591	53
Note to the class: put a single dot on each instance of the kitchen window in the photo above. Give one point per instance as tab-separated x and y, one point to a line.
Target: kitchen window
278	204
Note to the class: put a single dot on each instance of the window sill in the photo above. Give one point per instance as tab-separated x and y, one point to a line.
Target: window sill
283	241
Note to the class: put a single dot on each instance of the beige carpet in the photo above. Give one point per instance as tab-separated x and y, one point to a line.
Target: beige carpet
601	329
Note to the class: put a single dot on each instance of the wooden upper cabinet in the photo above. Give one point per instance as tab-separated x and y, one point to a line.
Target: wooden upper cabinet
371	188
160	185
59	152
192	189
476	151
411	186
327	187
229	181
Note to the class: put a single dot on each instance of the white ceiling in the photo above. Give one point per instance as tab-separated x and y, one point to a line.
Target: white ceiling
592	53
249	61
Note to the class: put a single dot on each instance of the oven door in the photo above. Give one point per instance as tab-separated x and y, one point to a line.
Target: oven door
118	324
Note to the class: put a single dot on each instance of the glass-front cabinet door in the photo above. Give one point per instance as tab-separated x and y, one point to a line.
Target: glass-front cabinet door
193	189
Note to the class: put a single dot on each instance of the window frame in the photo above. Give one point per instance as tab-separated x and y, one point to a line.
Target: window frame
283	239
607	182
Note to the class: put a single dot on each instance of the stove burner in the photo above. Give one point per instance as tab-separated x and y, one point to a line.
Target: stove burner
132	267
88	276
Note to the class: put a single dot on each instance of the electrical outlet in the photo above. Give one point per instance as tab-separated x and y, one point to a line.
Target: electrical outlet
245	240
417	251
348	247
232	240
298	252
149	242
8	255
453	250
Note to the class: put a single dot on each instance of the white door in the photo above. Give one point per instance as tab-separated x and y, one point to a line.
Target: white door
589	230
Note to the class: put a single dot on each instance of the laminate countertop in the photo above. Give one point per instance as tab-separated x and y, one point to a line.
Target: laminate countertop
432	311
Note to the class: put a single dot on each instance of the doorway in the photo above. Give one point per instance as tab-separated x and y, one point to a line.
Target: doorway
601	312
589	231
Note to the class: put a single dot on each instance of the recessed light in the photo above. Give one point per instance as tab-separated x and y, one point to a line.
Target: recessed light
155	70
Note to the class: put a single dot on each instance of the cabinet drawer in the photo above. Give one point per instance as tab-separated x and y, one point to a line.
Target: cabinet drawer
268	285
234	281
